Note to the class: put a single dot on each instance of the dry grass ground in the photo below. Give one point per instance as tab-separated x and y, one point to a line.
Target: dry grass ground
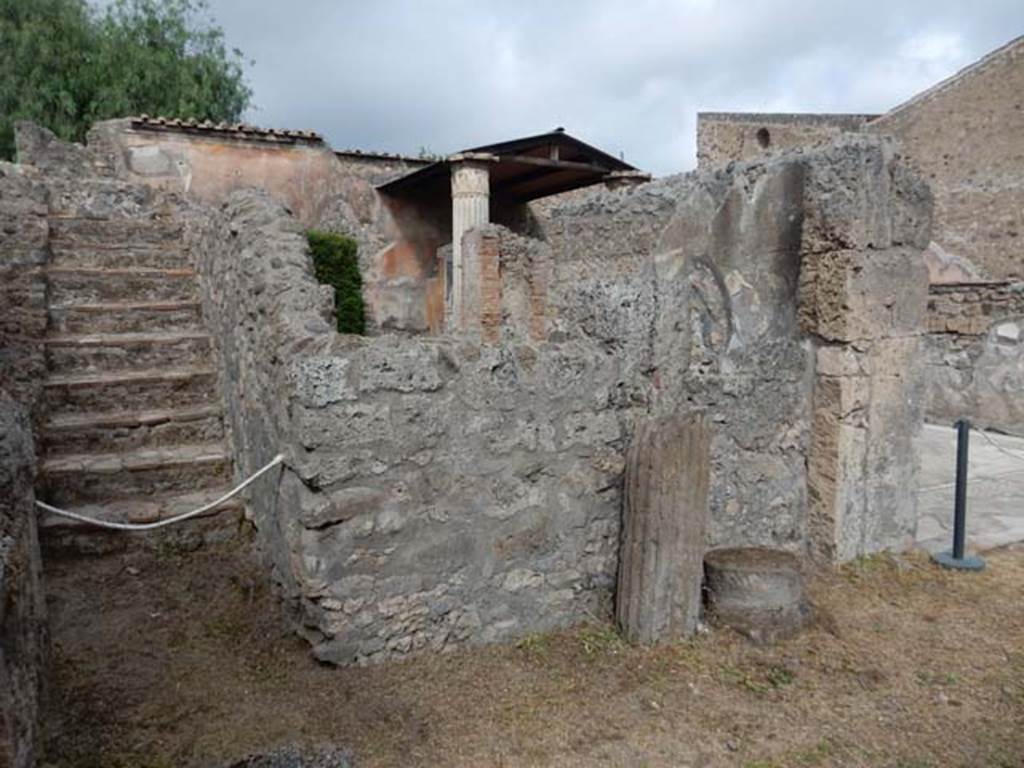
168	660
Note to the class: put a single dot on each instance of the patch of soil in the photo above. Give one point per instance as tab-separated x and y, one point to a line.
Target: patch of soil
184	660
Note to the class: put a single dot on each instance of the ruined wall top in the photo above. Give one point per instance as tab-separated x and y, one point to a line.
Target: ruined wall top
965	135
724	137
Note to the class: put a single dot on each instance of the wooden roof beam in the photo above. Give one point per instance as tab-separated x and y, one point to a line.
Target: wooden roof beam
562	165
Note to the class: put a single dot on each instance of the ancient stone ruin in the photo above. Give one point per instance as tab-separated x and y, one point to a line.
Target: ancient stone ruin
576	382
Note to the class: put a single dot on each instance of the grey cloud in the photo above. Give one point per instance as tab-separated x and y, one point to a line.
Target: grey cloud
627	76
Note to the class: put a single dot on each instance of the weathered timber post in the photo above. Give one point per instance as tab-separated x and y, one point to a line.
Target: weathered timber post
665	513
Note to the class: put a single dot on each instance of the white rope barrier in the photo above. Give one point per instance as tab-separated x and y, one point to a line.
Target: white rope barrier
170	520
985	434
1008	451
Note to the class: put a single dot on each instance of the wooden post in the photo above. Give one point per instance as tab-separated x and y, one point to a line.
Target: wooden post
665	511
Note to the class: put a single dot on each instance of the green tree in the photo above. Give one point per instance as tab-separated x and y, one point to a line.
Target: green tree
66	64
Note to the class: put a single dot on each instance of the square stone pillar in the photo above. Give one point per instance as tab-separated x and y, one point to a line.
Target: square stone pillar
866	308
471	199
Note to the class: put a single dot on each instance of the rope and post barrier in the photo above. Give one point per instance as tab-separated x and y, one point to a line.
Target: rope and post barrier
170	520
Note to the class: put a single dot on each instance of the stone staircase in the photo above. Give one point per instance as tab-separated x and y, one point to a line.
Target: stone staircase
134	428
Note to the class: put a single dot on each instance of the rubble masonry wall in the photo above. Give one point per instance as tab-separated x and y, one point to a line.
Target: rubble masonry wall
23	629
976	354
467	487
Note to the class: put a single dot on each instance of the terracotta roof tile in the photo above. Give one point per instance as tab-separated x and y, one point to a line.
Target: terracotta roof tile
225	130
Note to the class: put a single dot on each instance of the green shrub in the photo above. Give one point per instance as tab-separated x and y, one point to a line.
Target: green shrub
336	265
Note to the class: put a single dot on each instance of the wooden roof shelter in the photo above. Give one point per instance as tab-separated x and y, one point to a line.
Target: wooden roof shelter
521	170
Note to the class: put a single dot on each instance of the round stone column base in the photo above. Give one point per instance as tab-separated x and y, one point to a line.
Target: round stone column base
756	591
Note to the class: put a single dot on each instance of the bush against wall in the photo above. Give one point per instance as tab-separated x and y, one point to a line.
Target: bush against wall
336	265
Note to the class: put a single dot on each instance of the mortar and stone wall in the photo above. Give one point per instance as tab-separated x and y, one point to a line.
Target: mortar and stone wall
264	308
467	488
725	137
423	479
23	634
976	354
966	137
24	640
24	237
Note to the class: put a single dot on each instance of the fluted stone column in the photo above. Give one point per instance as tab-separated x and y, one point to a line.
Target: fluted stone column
471	197
664	518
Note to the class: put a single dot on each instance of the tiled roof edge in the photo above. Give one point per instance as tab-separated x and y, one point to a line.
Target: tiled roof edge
851	119
372	155
224	130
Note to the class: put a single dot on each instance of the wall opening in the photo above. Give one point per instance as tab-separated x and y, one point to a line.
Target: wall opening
764	138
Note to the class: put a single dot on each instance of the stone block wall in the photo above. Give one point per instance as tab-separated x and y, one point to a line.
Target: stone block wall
975	349
863	298
467	487
965	135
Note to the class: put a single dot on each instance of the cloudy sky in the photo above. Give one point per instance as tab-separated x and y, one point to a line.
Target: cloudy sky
626	75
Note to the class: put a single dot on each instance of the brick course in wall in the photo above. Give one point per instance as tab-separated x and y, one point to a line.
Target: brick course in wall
506	291
490	286
971	309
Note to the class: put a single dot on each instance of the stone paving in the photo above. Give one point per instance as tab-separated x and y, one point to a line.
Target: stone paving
995	489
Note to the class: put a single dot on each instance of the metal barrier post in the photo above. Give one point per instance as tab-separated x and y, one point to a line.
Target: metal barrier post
956	558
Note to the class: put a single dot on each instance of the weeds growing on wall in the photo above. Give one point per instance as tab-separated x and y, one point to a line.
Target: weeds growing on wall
336	265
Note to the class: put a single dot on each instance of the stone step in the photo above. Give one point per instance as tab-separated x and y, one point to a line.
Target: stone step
160	256
149	510
127	351
130	390
96	198
80	478
127	317
97	286
135	231
125	430
61	535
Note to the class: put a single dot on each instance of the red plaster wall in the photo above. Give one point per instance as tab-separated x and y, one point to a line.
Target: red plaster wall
403	288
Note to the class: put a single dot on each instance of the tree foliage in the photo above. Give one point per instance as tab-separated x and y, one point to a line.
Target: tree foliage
66	64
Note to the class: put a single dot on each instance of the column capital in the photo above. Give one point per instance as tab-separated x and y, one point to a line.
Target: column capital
470	178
